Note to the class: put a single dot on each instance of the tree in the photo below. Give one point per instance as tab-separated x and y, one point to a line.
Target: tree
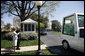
24	9
41	26
56	25
43	19
16	20
8	26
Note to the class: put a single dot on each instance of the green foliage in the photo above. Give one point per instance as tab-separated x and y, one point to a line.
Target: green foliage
9	35
8	26
43	19
41	25
28	36
56	25
3	35
49	7
25	9
24	35
34	17
7	43
22	10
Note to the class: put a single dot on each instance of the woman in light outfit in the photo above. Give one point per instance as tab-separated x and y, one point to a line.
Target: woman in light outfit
15	37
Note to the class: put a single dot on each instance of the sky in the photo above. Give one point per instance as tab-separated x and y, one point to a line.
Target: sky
65	8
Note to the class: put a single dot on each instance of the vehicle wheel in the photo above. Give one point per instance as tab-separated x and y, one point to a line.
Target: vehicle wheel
65	45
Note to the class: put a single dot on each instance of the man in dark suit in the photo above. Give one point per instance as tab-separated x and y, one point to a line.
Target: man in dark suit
18	42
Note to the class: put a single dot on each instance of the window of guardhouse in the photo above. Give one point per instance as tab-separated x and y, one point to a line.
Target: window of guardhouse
25	27
29	27
32	27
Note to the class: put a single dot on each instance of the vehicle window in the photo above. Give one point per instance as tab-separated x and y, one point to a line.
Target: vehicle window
81	20
68	27
82	33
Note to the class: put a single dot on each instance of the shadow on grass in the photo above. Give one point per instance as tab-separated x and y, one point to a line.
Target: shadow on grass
60	51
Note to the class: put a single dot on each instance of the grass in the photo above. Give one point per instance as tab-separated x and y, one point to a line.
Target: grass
8	43
45	52
30	42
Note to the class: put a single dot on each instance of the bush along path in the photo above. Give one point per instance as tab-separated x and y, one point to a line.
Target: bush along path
27	39
25	44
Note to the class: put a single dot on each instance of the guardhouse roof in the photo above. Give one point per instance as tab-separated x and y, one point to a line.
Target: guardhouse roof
29	20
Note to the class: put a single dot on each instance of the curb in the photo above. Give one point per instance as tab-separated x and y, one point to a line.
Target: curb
22	49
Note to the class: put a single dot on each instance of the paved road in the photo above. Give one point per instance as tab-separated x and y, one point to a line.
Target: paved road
53	42
51	39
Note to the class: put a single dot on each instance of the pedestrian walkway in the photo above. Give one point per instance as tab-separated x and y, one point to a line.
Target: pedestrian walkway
25	48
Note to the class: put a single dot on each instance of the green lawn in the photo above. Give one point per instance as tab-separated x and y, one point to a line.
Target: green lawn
45	52
8	43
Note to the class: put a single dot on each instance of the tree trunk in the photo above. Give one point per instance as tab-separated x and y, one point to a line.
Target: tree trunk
21	27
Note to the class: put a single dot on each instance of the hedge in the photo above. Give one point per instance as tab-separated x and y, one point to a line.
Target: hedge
24	36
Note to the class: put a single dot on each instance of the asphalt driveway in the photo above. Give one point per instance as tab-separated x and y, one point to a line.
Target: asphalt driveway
51	39
54	44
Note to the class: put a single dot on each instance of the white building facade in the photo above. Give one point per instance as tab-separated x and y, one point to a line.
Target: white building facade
29	25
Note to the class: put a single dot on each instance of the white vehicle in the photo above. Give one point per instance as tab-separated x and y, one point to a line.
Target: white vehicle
73	32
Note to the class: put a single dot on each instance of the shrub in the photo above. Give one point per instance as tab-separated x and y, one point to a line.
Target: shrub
9	35
28	36
24	36
2	35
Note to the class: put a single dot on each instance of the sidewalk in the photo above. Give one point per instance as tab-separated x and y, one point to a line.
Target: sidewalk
26	48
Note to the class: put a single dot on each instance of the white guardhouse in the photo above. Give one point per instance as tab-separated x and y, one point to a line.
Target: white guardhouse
29	25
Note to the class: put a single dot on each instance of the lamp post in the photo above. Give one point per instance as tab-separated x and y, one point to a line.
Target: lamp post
18	42
38	4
